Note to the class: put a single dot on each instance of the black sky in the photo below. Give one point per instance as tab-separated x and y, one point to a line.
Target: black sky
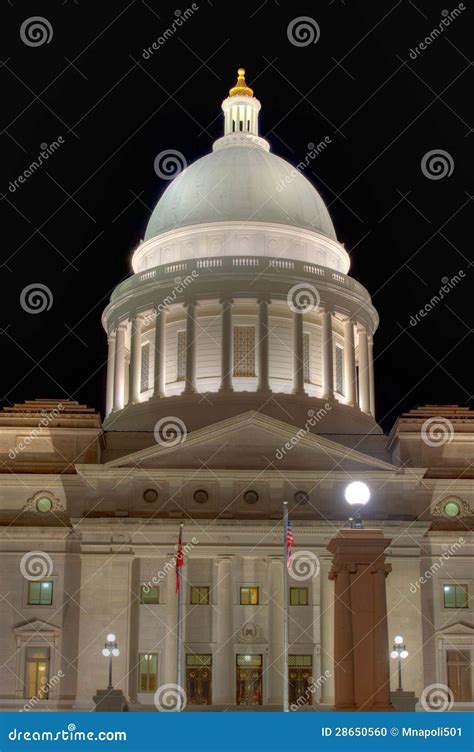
73	224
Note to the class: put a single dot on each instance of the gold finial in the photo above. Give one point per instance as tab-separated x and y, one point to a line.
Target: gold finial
241	89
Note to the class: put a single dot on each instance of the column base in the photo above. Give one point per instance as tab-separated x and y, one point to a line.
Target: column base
190	390
264	390
299	392
225	390
343	708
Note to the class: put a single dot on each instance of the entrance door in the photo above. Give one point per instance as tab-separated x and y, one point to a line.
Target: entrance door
249	680
299	679
198	679
37	673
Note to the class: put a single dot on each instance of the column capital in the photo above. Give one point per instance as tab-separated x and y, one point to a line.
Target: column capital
226	299
264	298
190	303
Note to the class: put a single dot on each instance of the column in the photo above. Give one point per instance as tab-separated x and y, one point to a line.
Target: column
371	376
298	352
263	370
190	387
226	346
326	621
109	398
119	367
381	667
349	363
328	366
135	358
223	690
364	398
343	640
159	372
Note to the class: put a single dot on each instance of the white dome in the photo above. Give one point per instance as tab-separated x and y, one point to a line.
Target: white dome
240	183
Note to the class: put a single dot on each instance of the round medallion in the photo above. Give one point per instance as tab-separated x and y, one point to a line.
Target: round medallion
301	497
44	504
150	495
251	497
200	496
451	508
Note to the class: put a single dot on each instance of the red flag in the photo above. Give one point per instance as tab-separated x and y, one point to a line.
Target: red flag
290	542
179	558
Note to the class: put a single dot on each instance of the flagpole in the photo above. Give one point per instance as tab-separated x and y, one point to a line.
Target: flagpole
179	646
285	608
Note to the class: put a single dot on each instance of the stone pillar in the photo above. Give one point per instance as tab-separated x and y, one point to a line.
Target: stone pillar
190	387
364	391
349	363
276	669
328	365
109	399
361	648
159	373
263	354
326	621
119	368
135	358
223	690
371	376
298	352
226	346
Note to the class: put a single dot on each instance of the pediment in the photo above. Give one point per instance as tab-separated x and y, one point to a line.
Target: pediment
458	629
252	441
36	627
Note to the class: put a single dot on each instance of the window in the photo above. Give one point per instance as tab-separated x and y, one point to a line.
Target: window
298	596
451	508
44	504
200	596
459	674
145	367
148	672
306	358
249	596
181	358
339	370
37	672
150	595
244	351
455	596
40	593
198	679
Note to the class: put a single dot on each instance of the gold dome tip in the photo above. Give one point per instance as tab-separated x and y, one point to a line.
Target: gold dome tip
241	89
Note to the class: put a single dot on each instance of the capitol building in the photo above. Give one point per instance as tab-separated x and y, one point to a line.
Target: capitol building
240	374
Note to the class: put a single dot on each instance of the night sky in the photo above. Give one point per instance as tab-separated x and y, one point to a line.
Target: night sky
73	224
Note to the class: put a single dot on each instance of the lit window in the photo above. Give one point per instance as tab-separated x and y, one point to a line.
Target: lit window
306	358
455	596
181	359
150	595
148	672
339	370
145	366
40	593
249	596
37	673
200	596
244	351
298	596
459	674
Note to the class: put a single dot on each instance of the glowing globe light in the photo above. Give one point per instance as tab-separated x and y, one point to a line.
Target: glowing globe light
398	640
106	652
394	654
404	654
110	637
357	493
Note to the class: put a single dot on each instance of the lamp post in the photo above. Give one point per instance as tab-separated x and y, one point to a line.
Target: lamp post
110	651
357	495
398	653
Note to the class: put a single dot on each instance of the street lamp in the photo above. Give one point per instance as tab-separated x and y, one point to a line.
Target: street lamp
399	652
110	651
357	494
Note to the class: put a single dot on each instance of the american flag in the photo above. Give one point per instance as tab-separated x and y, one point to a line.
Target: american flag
179	559
290	542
